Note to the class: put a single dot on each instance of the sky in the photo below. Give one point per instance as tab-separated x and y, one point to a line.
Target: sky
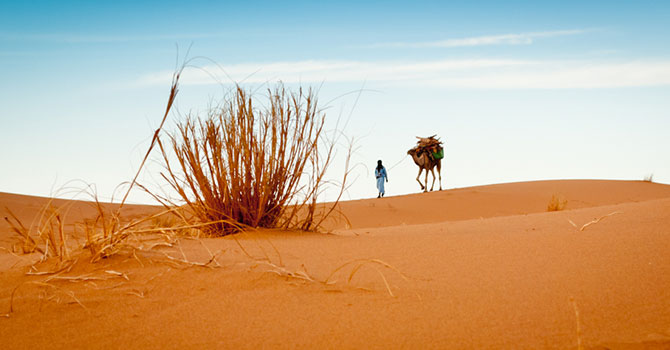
517	90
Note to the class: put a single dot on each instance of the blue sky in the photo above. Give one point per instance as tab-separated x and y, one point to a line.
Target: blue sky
520	90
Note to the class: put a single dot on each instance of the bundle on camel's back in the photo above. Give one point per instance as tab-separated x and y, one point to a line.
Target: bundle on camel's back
428	154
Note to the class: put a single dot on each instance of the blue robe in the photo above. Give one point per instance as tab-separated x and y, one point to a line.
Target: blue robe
381	177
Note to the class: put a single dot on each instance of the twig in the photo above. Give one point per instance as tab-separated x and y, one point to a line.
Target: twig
75	278
181	251
281	263
137	258
136	293
43	284
242	247
173	94
95	286
281	271
212	256
388	288
597	220
14	254
579	326
194	263
116	273
158	275
362	262
64	269
160	244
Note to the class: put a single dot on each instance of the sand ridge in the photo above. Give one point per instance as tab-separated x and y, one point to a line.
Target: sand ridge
483	267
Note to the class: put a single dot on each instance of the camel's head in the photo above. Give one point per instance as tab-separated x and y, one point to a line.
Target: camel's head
411	151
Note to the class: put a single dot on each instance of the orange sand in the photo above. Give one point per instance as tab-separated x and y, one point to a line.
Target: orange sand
481	267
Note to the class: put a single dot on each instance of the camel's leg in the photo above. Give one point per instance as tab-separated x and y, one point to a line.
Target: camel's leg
426	182
433	185
417	178
439	172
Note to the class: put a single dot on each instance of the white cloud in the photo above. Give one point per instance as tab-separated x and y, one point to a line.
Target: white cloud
329	71
476	73
572	75
504	39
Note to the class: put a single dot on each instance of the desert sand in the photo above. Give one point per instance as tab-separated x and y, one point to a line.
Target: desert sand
471	268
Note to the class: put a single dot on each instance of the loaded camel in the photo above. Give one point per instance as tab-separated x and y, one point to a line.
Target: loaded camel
427	155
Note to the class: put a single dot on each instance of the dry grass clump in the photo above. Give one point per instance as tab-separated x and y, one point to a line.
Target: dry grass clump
107	233
49	238
104	234
243	166
557	203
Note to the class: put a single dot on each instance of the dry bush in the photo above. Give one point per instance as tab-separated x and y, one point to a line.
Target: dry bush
557	203
243	166
648	178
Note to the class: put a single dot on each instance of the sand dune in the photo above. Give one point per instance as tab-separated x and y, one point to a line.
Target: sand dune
495	200
481	267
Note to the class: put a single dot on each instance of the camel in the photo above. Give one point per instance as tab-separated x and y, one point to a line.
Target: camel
425	162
